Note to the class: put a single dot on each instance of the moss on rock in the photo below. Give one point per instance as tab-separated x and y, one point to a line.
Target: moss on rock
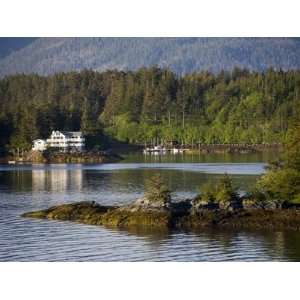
83	212
95	214
127	218
179	216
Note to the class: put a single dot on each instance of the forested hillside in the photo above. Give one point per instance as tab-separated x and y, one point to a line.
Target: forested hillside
181	55
150	104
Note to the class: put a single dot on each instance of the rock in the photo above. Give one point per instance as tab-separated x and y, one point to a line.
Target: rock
236	204
181	207
144	204
123	217
179	215
139	213
249	203
270	205
200	204
83	212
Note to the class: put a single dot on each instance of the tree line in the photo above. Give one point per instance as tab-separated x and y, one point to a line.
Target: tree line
150	105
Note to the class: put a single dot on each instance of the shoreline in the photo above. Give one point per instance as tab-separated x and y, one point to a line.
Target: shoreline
115	154
34	157
233	148
179	216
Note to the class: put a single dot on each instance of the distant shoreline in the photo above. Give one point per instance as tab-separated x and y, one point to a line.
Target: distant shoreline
59	157
234	148
116	153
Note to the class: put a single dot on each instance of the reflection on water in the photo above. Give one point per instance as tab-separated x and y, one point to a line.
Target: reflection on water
255	157
25	188
56	180
120	183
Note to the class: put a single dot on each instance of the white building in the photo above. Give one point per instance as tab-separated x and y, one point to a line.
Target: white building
66	140
62	141
39	145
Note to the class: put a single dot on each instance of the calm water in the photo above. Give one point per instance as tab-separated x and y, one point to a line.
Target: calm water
25	188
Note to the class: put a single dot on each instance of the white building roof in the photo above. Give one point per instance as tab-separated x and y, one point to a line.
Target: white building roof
39	140
71	133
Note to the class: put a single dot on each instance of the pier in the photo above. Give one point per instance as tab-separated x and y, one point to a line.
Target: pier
211	148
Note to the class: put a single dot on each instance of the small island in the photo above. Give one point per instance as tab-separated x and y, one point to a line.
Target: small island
181	215
221	208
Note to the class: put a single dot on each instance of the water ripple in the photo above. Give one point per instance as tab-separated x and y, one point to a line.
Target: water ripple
28	188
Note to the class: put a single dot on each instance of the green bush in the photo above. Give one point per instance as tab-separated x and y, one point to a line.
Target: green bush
221	192
257	198
207	193
281	183
280	186
225	193
157	191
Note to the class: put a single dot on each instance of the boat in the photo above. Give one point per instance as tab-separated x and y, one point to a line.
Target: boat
156	149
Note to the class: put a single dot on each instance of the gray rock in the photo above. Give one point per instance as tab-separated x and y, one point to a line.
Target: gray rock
144	204
200	204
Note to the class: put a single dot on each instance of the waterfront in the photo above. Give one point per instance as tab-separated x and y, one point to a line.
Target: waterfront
25	187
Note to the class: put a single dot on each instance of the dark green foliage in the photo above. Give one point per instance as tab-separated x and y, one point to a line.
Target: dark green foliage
207	193
281	183
157	191
202	107
291	156
32	106
150	106
281	186
255	198
225	193
222	193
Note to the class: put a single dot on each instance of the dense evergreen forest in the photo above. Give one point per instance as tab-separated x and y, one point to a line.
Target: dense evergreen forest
150	105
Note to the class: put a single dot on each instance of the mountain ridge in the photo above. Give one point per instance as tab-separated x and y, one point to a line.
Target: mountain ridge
10	44
47	56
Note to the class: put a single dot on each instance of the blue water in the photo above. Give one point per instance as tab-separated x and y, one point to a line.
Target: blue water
32	187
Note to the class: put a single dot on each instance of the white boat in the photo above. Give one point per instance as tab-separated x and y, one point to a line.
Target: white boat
156	149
